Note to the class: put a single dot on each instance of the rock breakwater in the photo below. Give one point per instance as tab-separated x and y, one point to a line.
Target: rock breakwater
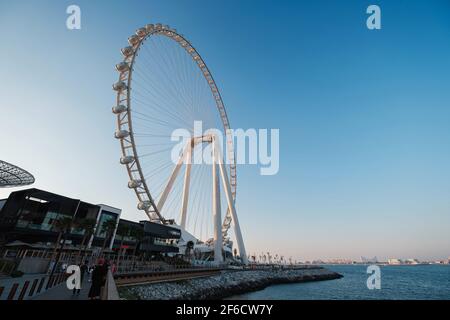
226	284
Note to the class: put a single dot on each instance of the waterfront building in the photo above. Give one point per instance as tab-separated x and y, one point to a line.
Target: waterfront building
29	216
373	260
412	261
340	261
154	239
29	232
394	261
200	251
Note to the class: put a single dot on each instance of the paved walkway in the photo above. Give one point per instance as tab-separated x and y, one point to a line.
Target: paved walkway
62	293
7	283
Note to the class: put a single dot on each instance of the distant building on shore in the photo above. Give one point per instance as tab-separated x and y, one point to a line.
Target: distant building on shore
340	261
369	260
394	261
412	261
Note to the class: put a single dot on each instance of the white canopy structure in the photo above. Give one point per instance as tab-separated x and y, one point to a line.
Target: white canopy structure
13	176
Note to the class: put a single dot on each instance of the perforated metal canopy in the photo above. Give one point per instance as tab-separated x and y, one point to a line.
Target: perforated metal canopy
13	176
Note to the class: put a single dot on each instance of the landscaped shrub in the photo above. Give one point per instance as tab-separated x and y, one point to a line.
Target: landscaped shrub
16	274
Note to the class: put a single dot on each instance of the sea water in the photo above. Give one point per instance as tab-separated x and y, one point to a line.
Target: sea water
430	282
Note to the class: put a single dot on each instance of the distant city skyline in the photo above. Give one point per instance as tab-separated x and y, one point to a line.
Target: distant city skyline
363	114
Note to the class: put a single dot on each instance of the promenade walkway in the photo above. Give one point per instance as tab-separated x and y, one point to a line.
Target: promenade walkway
62	293
11	288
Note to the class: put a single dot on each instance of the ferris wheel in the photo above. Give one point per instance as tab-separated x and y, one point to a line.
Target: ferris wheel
164	85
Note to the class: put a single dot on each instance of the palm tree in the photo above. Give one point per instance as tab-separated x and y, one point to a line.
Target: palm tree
62	225
123	231
88	227
108	228
137	234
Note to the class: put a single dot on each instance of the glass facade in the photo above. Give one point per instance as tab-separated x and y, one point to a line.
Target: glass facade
104	217
2	203
85	211
40	214
128	238
30	216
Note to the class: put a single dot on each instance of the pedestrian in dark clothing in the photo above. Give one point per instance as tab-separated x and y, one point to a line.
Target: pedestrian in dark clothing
98	279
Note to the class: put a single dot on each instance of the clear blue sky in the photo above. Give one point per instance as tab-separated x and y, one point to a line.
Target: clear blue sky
364	116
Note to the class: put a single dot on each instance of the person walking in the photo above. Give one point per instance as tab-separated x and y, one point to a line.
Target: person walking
83	271
98	279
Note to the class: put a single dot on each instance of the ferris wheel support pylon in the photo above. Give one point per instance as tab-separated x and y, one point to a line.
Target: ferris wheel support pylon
219	172
171	181
217	214
231	206
187	182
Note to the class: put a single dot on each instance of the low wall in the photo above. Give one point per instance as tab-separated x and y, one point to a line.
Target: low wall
30	265
28	286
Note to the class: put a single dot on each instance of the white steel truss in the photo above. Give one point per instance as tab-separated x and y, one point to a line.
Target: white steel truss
219	173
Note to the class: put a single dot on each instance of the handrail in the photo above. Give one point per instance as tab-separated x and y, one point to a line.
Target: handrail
110	289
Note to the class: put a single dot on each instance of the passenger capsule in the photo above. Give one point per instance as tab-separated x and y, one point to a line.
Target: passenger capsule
122	67
144	205
127	51
133	40
158	26
119	109
149	27
119	86
141	32
126	160
121	134
133	184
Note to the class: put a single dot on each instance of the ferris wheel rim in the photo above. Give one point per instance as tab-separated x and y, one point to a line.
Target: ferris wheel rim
125	123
